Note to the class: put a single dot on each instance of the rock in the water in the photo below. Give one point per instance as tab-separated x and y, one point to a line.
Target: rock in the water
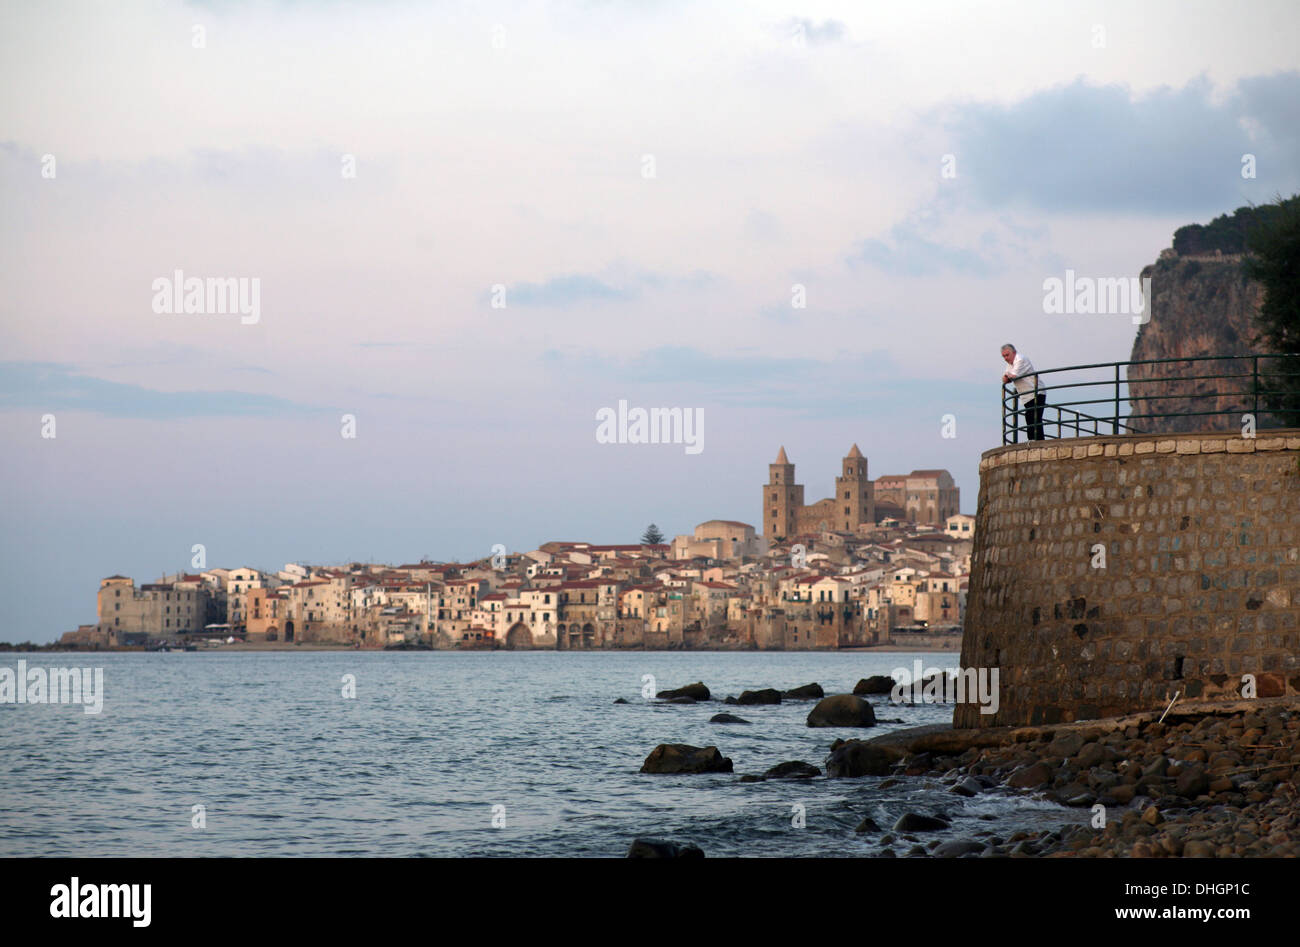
731	700
854	758
620	701
659	848
915	822
957	848
683	758
680	700
876	684
842	710
696	690
967	787
1030	777
767	695
867	825
806	692
794	769
933	688
1192	781
727	718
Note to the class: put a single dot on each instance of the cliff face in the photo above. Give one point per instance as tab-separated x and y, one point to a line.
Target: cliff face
1202	305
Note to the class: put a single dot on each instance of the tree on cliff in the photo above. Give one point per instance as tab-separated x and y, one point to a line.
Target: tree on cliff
1274	262
652	535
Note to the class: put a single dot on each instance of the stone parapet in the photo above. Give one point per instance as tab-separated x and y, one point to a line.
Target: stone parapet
1110	573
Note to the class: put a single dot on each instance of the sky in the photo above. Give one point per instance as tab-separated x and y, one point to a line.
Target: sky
473	226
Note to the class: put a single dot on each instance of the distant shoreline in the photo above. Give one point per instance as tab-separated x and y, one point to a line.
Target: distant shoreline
323	646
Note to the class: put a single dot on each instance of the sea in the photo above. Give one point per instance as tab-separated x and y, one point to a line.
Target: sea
454	754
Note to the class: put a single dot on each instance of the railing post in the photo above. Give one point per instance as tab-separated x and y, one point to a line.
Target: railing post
1115	429
1254	388
1015	431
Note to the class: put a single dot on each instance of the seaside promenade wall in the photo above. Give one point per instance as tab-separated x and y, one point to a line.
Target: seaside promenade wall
1111	572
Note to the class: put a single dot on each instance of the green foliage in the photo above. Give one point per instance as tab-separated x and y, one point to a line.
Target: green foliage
1274	262
1229	233
652	535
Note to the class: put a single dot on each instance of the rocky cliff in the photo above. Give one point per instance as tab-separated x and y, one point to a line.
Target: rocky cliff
1203	304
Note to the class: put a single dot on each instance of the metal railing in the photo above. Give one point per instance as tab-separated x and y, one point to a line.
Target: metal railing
1133	397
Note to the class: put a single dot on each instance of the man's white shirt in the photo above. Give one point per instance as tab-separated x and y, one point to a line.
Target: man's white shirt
1025	380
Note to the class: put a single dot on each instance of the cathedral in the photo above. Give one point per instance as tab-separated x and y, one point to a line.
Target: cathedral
923	496
784	513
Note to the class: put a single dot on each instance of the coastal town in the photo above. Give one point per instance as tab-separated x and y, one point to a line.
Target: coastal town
883	562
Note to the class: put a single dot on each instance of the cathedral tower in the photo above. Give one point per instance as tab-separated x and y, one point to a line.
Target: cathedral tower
782	498
854	495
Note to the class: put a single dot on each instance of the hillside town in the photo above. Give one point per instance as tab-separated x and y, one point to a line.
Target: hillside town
882	562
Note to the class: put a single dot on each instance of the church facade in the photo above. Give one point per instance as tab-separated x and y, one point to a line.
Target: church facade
784	512
923	496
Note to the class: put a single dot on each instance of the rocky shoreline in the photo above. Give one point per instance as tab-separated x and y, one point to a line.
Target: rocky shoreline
1201	779
1211	780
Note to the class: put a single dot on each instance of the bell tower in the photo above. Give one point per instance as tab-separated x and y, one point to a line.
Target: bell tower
782	499
854	494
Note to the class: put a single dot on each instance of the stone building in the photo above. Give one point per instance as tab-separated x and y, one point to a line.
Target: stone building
720	539
924	496
158	610
784	513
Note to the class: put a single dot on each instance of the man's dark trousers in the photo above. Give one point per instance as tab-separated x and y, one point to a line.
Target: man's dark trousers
1034	416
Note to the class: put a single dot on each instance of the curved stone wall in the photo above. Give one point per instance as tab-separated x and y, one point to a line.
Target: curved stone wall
1111	572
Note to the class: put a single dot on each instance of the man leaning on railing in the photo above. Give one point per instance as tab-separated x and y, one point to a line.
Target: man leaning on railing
1031	400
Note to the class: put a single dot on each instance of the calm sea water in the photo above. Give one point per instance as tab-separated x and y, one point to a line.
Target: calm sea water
432	743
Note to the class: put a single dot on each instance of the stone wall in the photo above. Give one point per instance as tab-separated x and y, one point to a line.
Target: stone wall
1199	584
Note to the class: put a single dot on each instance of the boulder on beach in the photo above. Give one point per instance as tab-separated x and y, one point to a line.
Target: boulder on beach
767	695
876	684
1031	776
683	758
957	848
805	692
661	848
853	758
727	718
794	769
696	690
915	822
842	710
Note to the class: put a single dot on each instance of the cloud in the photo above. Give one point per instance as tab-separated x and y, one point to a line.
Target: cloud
907	252
622	287
813	33
1083	148
52	387
846	386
